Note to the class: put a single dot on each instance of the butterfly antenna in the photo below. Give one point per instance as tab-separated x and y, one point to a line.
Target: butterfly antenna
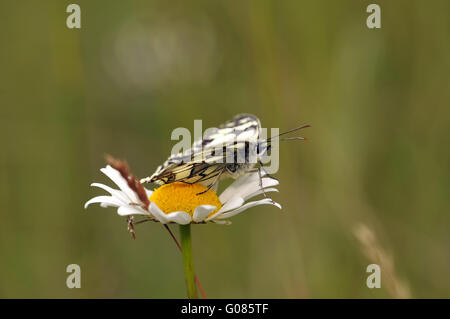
290	131
297	138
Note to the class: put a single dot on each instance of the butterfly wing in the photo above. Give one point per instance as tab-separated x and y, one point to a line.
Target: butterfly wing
202	163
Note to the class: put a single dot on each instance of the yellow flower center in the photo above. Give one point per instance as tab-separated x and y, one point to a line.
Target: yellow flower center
175	197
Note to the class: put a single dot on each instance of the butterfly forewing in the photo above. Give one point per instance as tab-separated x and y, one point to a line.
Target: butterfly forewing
209	156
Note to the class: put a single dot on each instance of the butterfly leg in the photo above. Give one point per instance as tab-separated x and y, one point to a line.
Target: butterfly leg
261	167
213	183
260	182
268	175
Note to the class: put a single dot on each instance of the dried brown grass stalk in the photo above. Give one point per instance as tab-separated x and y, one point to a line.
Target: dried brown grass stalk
377	255
132	181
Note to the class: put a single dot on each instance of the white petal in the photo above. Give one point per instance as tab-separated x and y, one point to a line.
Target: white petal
268	182
181	218
230	191
130	210
105	201
115	176
233	203
247	185
260	191
254	186
114	192
202	211
149	192
158	213
265	201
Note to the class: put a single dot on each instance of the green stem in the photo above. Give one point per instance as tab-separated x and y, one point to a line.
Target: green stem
186	245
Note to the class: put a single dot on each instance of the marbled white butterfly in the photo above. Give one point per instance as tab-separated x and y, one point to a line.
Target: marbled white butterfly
231	150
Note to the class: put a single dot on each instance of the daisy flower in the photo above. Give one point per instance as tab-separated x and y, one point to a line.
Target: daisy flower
181	203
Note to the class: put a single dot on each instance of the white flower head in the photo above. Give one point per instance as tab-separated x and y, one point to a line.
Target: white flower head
181	203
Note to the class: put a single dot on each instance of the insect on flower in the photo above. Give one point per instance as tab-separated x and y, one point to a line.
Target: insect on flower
232	150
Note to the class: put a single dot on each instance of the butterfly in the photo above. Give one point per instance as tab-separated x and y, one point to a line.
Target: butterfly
231	150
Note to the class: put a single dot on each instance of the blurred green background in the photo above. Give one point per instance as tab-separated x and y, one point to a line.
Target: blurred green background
378	102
